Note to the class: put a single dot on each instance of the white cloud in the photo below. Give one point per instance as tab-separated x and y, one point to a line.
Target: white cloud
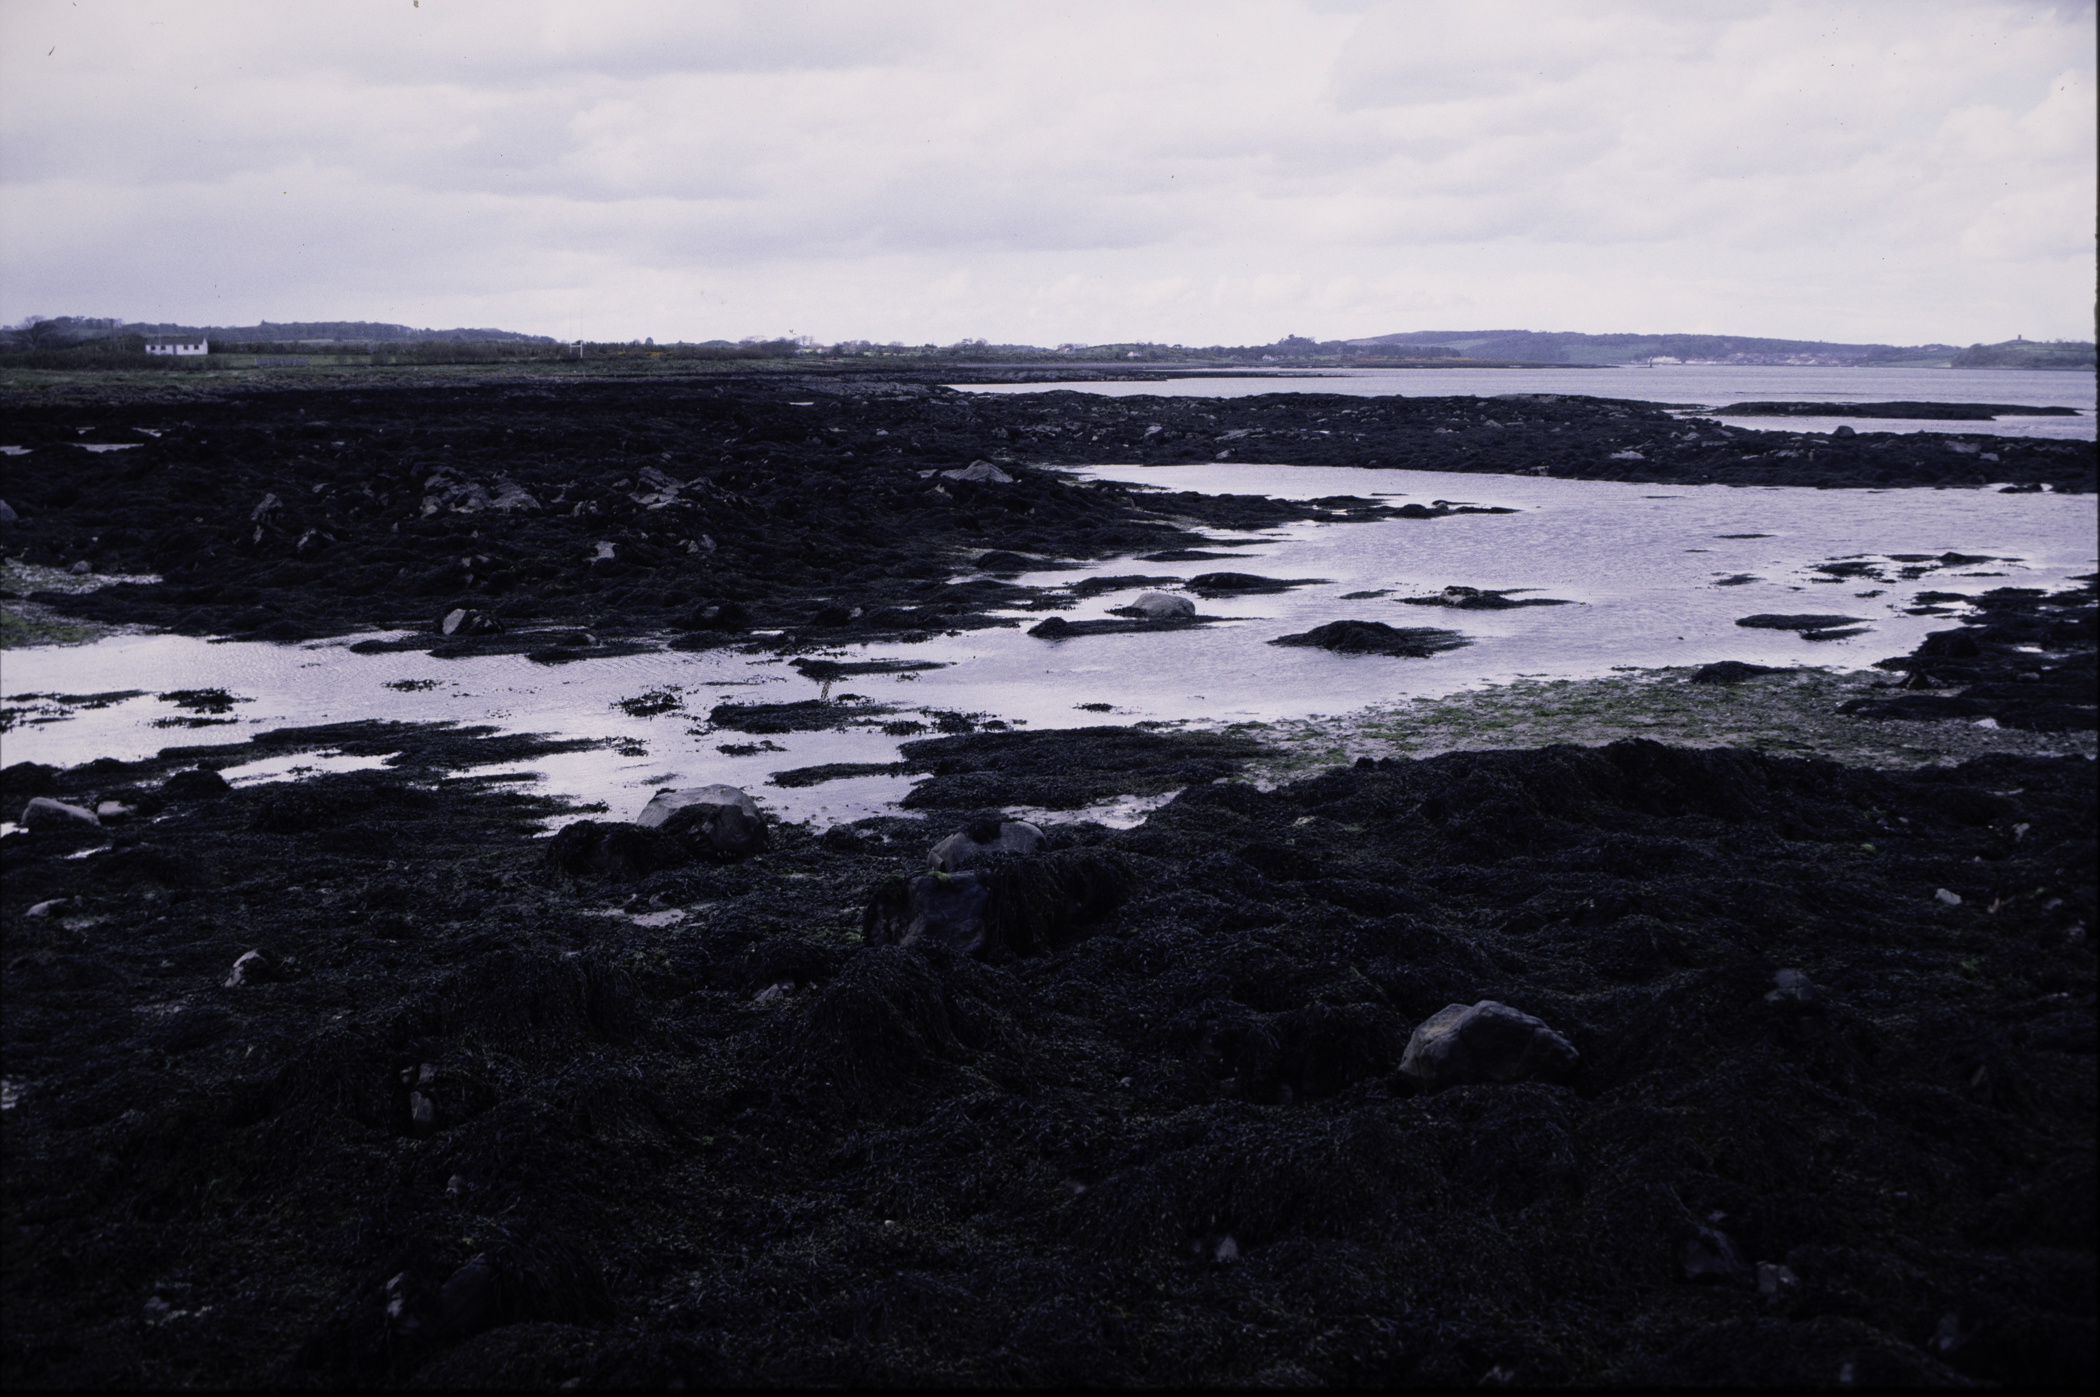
1190	172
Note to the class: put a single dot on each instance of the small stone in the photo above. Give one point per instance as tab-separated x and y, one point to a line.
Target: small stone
252	968
1710	1256
421	1109
470	1299
1791	985
1484	1042
110	811
201	784
774	993
81	568
45	909
463	621
1227	1251
455	1186
45	813
1776	1282
1952	899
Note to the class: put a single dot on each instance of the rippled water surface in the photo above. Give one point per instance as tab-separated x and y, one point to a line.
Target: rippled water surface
1651	572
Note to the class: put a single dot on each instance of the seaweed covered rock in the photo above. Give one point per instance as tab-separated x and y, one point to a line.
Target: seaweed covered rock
1376	638
1485	1042
1806	624
982	840
1003	905
465	621
199	783
714	822
1730	672
623	853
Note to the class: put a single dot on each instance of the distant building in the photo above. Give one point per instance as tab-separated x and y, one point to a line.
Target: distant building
177	346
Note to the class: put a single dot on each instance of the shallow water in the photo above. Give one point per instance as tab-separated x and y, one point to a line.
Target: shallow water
1640	564
1709	385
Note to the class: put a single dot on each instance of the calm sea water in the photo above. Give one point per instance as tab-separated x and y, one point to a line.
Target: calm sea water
1679	385
1650	573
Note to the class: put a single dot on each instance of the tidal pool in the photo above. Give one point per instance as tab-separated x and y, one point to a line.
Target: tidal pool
1654	577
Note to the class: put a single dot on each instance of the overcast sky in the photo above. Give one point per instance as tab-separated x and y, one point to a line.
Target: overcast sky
1902	171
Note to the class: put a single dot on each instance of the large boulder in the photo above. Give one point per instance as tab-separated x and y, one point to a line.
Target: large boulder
622	853
934	909
1010	906
714	822
1485	1042
981	840
1160	606
45	813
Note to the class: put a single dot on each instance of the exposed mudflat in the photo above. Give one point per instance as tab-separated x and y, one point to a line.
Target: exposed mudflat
344	1079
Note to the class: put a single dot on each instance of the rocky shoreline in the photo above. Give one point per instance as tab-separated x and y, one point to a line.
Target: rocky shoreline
558	516
1776	1065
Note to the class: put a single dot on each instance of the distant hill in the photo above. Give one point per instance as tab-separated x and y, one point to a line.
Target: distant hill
2027	354
339	332
66	330
1568	347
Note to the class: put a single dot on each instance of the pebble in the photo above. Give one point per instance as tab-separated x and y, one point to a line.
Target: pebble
246	969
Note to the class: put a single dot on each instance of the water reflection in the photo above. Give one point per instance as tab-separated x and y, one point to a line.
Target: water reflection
1655	577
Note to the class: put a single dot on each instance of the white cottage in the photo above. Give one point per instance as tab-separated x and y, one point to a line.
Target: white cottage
177	346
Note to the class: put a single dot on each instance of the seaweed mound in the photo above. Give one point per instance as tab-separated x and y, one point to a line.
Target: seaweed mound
1774	1070
1376	638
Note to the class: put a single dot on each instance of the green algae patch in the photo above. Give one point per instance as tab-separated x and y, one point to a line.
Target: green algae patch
1788	713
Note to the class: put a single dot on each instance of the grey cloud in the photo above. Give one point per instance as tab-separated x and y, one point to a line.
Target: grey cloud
1046	158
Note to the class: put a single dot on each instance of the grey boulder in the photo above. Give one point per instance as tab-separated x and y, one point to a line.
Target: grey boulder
1485	1042
464	621
1161	606
983	472
45	813
720	822
980	840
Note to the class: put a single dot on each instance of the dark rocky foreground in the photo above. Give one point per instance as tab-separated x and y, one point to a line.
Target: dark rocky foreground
560	517
469	1119
481	1108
